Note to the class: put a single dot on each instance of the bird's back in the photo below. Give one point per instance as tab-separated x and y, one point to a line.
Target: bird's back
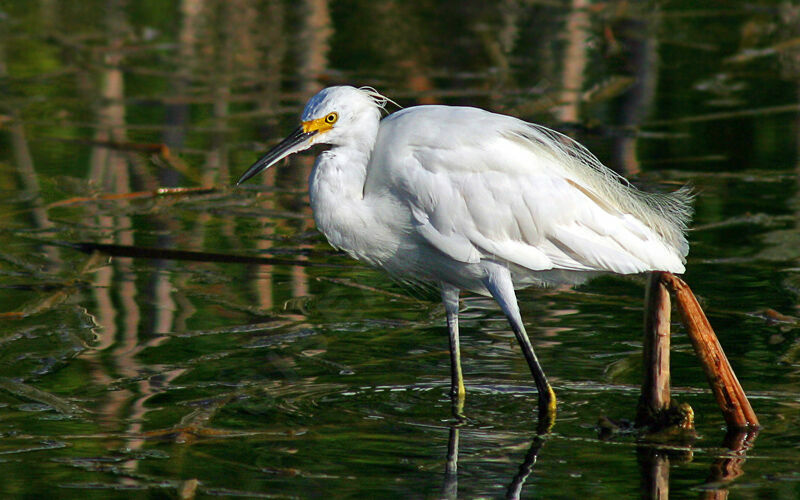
479	185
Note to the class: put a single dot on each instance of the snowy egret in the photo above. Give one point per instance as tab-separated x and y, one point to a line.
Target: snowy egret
466	199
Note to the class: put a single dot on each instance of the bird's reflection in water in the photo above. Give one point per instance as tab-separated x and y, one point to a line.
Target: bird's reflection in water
515	488
450	488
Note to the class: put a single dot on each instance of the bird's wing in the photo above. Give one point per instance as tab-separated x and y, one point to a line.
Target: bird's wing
477	188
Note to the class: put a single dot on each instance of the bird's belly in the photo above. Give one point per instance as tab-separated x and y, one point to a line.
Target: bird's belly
389	242
416	261
421	262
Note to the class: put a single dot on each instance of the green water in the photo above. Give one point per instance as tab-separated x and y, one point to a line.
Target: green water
135	376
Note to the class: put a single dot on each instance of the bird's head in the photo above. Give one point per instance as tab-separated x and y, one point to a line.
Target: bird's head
336	115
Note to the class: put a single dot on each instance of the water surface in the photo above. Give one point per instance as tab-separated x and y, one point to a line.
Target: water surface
143	374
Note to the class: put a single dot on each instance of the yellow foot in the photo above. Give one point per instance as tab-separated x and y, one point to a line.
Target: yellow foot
458	397
547	411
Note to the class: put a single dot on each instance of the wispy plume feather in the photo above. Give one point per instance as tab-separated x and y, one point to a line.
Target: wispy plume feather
380	100
668	214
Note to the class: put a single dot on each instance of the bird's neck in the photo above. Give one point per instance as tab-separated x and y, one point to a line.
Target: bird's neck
336	192
339	172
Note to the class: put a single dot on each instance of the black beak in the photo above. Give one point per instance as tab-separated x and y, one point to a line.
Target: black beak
279	152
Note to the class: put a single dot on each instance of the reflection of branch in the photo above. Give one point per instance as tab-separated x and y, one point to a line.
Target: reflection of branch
32	393
19	142
727	115
190	255
60	295
23	161
372	289
726	469
575	60
160	151
654	463
314	35
644	61
654	466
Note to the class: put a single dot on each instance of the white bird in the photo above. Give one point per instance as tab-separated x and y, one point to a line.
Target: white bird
471	200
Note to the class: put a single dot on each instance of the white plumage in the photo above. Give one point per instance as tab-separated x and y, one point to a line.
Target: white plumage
473	200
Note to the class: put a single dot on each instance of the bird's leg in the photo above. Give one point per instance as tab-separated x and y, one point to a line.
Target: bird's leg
547	397
498	282
457	391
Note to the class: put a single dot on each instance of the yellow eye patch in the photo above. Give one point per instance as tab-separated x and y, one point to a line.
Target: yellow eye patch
321	124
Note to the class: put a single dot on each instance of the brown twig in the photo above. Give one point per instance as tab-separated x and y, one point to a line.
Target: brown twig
727	390
178	191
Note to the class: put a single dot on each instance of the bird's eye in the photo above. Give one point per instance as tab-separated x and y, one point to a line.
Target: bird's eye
331	118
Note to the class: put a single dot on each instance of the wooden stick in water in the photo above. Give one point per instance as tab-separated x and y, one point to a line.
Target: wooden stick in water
656	386
727	390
